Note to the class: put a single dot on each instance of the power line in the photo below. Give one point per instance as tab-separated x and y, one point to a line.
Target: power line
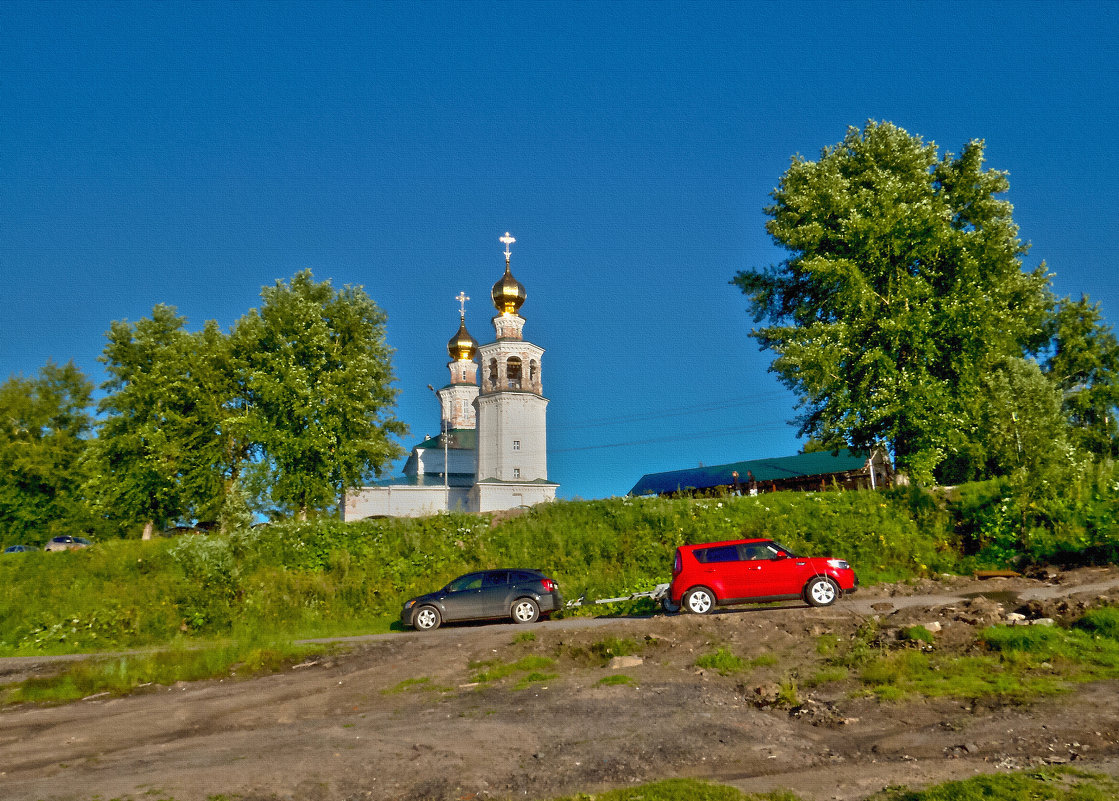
721	432
679	411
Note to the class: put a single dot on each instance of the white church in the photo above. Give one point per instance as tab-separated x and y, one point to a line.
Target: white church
492	452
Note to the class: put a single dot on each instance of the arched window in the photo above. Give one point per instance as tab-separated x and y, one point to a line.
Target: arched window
513	372
533	375
493	374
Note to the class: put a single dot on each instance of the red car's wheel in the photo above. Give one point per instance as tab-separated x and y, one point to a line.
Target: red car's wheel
821	591
699	600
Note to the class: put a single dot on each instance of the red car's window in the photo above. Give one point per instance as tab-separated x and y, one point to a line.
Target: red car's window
723	553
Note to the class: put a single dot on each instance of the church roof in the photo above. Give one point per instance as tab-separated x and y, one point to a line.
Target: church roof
803	465
461	439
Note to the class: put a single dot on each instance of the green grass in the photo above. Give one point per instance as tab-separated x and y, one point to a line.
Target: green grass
1103	621
615	679
681	790
408	684
323	578
722	661
526	636
1015	663
126	674
493	670
725	662
918	634
535	677
1050	784
614	646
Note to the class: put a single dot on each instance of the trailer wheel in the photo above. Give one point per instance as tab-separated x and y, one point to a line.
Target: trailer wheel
668	606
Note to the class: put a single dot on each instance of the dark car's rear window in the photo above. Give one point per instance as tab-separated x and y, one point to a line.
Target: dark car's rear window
520	576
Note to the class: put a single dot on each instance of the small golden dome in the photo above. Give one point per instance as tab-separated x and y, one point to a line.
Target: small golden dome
462	346
508	293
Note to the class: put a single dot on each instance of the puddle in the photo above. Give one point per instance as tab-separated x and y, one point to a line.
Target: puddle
1008	598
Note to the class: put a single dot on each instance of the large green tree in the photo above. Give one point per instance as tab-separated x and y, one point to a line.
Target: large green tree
317	381
166	448
44	428
904	286
1084	365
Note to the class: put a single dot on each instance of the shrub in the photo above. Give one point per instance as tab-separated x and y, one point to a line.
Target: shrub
1103	622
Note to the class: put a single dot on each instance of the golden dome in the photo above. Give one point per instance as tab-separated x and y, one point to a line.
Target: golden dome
508	293
462	346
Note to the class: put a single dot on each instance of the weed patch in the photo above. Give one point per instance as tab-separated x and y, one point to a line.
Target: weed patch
614	646
617	678
1053	784
126	674
408	684
681	790
495	670
535	677
722	661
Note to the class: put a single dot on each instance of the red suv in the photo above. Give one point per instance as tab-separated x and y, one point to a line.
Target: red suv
754	571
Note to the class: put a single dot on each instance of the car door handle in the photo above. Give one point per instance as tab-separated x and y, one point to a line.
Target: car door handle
801	564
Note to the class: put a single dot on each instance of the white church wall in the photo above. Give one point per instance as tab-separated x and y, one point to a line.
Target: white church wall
494	497
404	501
460	460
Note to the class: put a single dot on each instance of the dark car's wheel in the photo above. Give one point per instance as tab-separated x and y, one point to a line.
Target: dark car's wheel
821	591
525	610
427	618
699	600
668	606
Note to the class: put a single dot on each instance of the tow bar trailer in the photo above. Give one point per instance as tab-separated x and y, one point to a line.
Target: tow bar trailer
658	593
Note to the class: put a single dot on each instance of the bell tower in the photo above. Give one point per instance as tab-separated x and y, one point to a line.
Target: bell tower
511	408
456	400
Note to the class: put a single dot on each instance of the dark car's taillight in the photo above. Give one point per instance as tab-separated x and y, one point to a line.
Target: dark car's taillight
548	584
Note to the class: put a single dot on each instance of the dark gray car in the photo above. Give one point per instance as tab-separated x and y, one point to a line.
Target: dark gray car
516	594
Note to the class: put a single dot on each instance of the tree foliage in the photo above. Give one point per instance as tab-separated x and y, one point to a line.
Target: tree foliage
903	289
1084	365
164	450
318	394
44	428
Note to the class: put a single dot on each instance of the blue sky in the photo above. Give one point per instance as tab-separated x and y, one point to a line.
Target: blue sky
190	153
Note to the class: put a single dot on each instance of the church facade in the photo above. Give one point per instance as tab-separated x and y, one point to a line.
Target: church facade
491	453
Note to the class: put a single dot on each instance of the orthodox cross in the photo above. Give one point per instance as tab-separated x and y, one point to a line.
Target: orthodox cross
462	297
508	240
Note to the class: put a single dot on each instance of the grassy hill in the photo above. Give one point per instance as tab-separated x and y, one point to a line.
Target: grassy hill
325	577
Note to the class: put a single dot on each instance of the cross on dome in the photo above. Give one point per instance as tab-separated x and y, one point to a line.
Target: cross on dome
508	240
462	297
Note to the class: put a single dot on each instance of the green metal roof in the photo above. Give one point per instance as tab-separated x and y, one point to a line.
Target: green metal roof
427	480
460	439
803	465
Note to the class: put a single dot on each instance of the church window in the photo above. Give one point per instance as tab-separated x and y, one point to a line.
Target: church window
516	444
463	373
493	374
532	372
516	472
513	372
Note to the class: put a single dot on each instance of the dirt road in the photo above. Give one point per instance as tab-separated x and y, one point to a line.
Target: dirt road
404	716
